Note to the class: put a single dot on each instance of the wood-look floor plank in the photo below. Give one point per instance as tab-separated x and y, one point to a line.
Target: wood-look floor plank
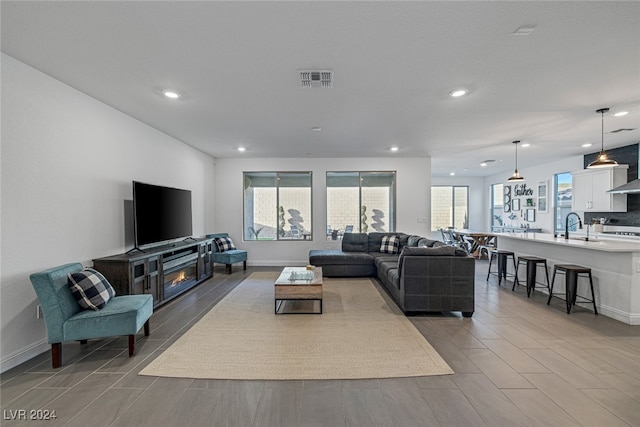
496	369
520	361
565	368
406	404
587	361
194	407
622	382
585	410
540	408
452	409
238	404
492	405
322	404
617	402
158	401
74	400
515	336
279	404
107	409
365	406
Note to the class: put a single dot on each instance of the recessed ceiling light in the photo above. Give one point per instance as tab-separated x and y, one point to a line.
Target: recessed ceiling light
242	149
525	145
588	144
483	164
316	129
394	148
452	173
621	113
171	94
525	30
458	92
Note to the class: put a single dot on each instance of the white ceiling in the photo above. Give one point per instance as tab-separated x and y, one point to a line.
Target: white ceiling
395	62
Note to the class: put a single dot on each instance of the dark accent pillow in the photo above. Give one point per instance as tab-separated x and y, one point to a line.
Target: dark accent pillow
426	243
224	244
390	245
412	241
91	289
403	239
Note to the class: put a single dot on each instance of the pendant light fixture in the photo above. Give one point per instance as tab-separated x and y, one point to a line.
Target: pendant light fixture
516	175
602	161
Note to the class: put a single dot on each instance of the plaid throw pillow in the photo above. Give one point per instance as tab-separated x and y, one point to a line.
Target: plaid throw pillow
390	245
90	288
224	244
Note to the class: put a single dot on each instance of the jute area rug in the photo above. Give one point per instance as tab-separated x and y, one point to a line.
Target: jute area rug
359	335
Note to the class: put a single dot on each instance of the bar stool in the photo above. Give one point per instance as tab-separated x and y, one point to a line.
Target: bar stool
533	262
502	256
572	272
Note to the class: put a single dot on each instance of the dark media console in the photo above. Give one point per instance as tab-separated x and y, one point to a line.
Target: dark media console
162	271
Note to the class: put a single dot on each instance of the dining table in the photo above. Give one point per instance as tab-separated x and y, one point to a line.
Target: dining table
481	241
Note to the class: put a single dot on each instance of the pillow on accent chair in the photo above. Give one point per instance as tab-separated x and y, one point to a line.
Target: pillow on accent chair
91	289
224	244
390	245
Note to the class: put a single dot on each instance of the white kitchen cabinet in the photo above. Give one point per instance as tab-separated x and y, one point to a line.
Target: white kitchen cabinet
590	186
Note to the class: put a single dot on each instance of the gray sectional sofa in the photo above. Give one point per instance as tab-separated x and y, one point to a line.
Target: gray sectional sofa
423	276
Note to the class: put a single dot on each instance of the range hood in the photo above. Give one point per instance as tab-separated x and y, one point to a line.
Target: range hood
628	188
631	187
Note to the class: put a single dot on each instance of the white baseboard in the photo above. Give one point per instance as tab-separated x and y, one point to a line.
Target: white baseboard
20	356
628	318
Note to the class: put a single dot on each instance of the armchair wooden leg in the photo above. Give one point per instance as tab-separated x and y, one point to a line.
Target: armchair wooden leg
244	264
132	344
83	341
56	355
228	267
146	328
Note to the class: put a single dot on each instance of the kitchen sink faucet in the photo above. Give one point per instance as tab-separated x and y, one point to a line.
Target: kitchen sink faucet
566	224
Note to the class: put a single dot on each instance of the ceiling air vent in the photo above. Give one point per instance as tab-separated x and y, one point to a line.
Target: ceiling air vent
317	78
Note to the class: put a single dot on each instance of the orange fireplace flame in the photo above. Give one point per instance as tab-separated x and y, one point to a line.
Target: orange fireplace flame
182	276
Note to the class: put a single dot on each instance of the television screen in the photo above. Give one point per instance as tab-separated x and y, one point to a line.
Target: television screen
160	213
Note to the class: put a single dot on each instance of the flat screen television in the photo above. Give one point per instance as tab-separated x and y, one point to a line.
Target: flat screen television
160	213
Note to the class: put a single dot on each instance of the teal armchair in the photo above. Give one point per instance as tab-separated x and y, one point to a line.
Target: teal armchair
66	321
228	257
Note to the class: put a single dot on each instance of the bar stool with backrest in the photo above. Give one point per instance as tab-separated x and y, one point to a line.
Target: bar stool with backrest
532	263
572	273
502	255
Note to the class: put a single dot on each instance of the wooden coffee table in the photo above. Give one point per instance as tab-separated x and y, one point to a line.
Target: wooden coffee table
298	283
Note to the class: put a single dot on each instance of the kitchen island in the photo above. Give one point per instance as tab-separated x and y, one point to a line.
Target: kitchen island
615	266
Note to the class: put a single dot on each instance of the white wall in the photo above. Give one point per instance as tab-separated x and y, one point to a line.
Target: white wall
533	176
413	199
67	165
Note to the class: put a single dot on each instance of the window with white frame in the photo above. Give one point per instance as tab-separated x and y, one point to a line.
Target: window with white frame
449	206
277	205
497	205
360	202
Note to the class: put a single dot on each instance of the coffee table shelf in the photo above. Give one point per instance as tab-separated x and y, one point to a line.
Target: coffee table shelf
298	284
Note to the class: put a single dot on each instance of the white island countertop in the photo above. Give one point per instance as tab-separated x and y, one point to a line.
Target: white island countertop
615	266
576	241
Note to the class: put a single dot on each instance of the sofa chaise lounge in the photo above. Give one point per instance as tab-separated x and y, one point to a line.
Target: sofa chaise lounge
422	275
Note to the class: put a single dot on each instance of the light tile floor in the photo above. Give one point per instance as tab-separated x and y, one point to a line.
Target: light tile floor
518	362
